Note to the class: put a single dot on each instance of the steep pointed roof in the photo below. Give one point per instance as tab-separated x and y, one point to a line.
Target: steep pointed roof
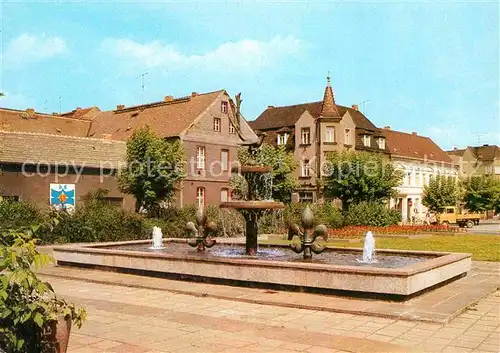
329	108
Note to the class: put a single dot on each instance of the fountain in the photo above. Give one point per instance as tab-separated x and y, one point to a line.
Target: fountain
157	239
202	232
395	274
369	248
259	195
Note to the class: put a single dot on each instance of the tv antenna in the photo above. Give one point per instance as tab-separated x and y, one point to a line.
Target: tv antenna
60	104
141	76
363	106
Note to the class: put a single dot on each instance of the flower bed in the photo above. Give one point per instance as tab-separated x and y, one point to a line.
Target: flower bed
359	231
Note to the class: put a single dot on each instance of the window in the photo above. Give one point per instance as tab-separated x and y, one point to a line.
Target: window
232	130
223	107
306	170
306	196
381	143
347	137
224	195
217	124
200	197
305	136
408	178
200	157
224	160
330	134
366	140
417	179
282	138
113	201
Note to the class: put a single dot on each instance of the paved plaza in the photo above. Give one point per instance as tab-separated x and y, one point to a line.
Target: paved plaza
127	314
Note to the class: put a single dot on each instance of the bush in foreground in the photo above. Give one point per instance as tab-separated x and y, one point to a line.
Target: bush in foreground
371	214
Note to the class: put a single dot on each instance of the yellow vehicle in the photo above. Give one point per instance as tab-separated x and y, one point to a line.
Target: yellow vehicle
450	215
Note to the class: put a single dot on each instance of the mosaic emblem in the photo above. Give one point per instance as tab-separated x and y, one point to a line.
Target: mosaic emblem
62	196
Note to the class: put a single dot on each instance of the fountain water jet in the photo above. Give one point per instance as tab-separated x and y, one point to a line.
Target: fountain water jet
157	239
369	248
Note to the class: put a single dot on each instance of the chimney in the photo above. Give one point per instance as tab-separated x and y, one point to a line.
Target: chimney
414	133
194	94
168	98
30	111
270	107
120	107
355	107
387	127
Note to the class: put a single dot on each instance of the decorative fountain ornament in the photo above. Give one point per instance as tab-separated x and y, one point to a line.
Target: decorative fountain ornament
369	249
157	239
259	200
202	231
308	235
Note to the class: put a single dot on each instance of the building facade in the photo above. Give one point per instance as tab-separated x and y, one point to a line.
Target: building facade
312	130
480	160
420	159
209	125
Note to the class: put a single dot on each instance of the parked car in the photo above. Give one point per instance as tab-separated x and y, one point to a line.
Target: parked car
451	215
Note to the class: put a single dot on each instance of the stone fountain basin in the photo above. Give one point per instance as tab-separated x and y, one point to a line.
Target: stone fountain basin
402	283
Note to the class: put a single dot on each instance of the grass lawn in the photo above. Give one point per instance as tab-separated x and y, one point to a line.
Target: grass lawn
482	247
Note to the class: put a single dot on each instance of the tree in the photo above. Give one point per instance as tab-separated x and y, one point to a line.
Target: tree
354	177
481	193
154	169
283	164
442	191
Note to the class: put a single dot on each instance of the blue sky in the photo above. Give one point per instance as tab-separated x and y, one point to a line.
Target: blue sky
426	67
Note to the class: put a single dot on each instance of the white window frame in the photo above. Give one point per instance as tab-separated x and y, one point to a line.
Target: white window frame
330	134
224	162
282	138
305	168
217	124
381	143
232	129
224	107
224	195
347	137
200	157
200	197
306	199
366	140
305	136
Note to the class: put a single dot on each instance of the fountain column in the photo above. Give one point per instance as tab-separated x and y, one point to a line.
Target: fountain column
251	242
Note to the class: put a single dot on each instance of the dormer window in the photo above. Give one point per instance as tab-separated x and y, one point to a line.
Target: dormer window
282	138
223	107
381	143
366	140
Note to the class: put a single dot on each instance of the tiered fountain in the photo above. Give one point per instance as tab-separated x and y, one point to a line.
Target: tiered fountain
259	196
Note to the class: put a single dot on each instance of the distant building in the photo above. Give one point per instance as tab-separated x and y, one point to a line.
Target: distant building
208	124
420	159
480	160
312	130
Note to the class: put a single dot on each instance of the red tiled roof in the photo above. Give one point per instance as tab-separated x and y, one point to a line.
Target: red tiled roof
486	152
328	107
82	113
276	117
29	121
166	118
413	146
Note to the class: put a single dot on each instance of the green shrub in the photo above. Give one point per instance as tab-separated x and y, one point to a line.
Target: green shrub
96	221
326	213
15	214
371	214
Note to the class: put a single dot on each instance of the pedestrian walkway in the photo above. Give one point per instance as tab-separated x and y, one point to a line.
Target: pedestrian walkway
132	319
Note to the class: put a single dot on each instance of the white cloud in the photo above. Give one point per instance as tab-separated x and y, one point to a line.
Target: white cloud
246	54
28	48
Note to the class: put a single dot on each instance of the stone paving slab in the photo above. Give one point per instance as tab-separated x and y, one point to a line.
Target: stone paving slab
439	306
132	319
